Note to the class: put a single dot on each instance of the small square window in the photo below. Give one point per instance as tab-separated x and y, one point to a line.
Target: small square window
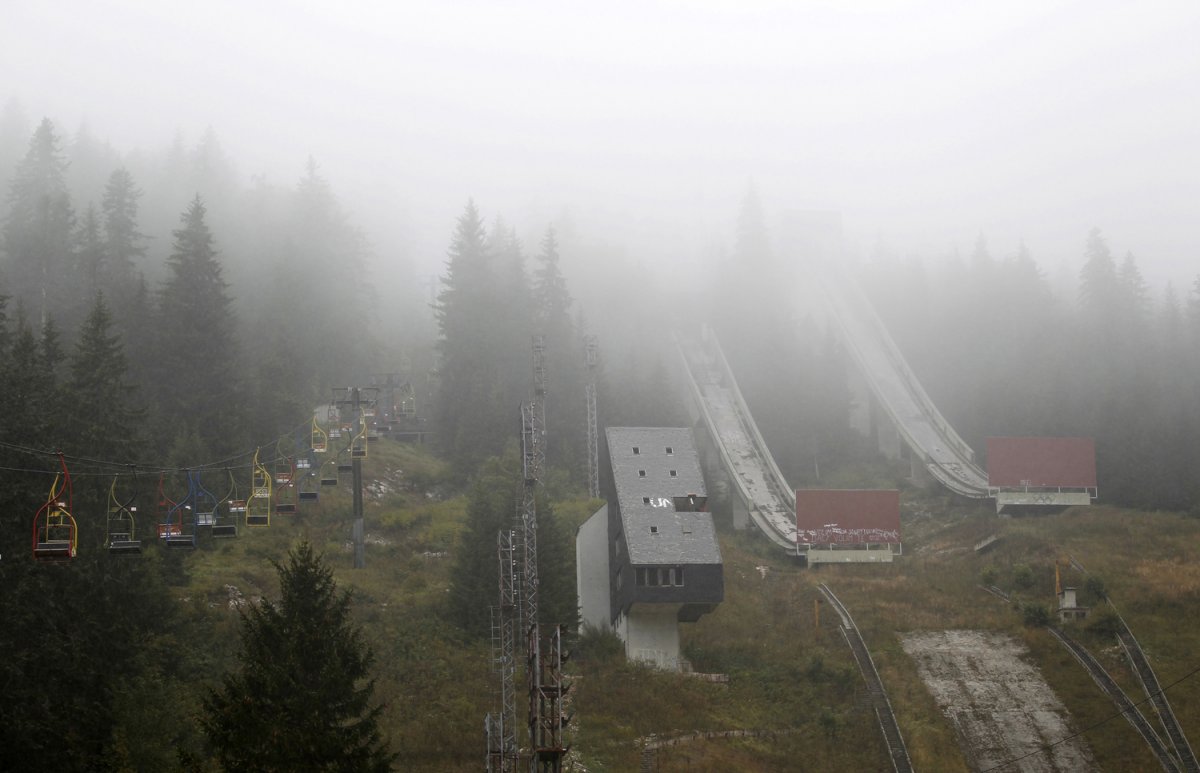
641	473
645	500
674	474
670	451
636	450
654	530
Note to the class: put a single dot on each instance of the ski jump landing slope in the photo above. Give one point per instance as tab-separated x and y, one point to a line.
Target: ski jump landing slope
930	437
757	479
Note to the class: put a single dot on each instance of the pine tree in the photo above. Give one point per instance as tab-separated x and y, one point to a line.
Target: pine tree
301	698
565	401
122	239
37	234
101	406
196	353
90	255
471	416
491	506
1098	278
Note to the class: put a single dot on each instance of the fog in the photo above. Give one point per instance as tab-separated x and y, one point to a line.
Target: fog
643	124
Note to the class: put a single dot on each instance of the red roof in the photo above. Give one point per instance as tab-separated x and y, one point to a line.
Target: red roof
845	516
1042	462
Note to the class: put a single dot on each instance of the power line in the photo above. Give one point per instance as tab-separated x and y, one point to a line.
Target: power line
146	467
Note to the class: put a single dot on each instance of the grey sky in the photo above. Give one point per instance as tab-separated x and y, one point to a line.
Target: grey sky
924	123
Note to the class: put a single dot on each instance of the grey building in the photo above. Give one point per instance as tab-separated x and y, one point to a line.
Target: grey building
649	559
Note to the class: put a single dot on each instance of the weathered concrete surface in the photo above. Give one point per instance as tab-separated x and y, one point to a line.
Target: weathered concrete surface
1000	706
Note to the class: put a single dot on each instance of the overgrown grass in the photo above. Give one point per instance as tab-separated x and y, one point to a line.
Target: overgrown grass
788	672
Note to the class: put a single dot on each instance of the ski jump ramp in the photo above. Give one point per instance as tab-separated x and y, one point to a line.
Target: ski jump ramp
756	479
928	435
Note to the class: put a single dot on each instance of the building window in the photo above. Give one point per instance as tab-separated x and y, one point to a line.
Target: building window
659	576
645	500
641	473
618	578
670	451
636	450
674	473
654	530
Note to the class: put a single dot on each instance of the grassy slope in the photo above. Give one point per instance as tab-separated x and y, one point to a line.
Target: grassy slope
787	674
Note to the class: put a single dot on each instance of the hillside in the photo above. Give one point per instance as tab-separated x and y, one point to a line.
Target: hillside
792	680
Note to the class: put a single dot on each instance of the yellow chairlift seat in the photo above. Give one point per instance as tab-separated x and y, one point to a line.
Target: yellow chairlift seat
258	506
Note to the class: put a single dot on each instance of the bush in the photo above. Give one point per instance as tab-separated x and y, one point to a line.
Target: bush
988	575
1105	623
1094	589
597	644
1022	576
1035	615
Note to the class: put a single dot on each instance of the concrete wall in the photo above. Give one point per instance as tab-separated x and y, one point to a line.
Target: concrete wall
651	634
591	571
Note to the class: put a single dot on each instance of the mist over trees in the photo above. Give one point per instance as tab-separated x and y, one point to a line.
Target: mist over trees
156	310
1002	353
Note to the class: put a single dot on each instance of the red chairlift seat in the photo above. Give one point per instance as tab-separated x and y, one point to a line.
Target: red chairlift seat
54	550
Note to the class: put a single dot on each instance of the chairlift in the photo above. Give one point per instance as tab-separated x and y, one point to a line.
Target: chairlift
178	530
55	533
406	408
204	503
121	526
309	484
358	446
329	472
285	486
226	527
258	506
320	438
167	513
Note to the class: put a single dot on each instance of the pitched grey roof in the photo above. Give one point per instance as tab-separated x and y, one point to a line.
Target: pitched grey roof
651	466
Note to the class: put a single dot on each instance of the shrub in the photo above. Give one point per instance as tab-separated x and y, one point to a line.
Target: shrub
1105	623
597	644
1022	576
988	575
1094	588
1035	615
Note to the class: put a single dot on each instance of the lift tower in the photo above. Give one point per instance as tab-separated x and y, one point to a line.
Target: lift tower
358	402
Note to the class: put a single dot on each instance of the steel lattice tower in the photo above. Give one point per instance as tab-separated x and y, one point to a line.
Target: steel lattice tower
501	728
591	351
